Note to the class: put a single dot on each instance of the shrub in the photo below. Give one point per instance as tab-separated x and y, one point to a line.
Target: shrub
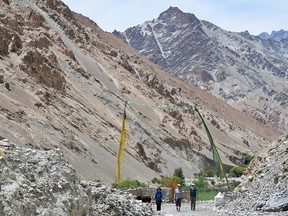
131	183
205	173
156	181
236	171
210	173
234	184
247	159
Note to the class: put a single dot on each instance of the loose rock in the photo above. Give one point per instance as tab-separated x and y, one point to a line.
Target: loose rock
38	182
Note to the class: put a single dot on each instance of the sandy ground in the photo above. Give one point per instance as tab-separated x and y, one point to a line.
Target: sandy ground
202	209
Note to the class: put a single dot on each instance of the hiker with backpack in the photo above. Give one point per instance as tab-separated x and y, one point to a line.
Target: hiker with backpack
158	197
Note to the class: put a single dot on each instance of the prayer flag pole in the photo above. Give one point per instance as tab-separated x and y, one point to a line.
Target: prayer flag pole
216	157
121	147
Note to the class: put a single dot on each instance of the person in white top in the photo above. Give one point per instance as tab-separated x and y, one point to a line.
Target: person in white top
178	197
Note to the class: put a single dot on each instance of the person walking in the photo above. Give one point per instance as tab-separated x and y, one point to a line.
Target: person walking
158	197
178	197
193	194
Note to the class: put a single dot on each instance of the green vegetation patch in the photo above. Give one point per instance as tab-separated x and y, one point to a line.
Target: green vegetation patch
206	195
131	183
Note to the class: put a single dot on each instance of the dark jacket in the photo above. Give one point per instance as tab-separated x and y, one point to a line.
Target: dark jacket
193	192
158	195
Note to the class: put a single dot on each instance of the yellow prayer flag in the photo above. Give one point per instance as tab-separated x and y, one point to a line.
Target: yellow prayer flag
121	147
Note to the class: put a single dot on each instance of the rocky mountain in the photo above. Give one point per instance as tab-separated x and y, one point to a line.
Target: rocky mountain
64	83
247	72
39	182
275	35
264	188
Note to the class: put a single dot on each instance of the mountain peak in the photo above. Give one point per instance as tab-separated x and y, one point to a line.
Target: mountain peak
174	14
173	10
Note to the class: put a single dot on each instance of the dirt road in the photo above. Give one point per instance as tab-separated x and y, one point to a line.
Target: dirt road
202	209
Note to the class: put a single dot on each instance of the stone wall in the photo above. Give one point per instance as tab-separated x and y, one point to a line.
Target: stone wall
167	193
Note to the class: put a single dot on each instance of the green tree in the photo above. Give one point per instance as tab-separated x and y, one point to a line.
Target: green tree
179	173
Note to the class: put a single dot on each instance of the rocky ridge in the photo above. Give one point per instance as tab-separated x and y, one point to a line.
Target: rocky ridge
247	72
39	182
275	35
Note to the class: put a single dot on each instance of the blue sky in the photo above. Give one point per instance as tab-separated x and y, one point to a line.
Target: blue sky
256	16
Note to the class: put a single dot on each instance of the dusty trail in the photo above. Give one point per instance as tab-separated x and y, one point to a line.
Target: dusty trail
202	209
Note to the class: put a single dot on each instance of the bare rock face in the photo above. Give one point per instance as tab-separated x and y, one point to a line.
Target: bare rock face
12	43
38	182
1	79
264	187
44	69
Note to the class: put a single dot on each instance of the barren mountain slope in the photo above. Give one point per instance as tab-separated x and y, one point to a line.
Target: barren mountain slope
64	82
